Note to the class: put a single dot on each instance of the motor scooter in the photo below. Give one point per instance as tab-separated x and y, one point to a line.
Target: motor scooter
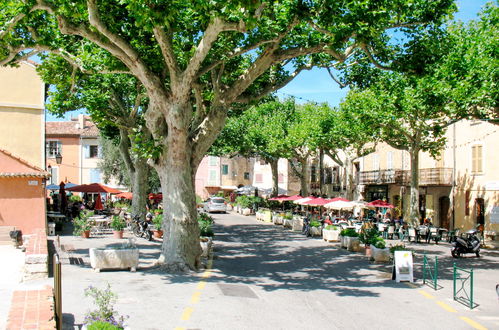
141	228
469	243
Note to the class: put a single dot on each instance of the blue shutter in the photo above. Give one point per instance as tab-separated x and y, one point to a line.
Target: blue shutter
94	175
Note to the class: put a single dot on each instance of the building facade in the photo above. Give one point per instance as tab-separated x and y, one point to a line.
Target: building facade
22	156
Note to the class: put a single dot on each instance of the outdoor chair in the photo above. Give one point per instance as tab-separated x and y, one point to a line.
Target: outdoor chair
433	235
422	233
401	233
391	231
412	234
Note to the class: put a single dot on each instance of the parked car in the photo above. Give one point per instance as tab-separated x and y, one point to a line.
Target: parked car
215	204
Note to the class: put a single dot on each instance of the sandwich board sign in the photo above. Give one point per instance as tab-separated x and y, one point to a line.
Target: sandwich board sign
403	266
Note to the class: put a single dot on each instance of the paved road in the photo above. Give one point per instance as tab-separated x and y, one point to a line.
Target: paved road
265	277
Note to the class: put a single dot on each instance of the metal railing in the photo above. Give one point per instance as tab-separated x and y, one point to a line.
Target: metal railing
435	176
463	286
427	177
430	273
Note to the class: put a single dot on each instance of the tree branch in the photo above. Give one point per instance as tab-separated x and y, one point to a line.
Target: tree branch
371	58
165	45
334	78
10	24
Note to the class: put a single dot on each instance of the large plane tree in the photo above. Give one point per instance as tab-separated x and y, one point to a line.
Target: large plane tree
196	59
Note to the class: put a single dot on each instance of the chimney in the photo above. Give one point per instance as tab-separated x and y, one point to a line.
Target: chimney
81	121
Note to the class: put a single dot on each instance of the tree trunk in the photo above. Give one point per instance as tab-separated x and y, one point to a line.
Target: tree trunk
304	178
275	176
139	187
321	171
414	187
181	249
349	184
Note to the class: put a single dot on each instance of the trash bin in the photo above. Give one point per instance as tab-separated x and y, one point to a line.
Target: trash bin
51	226
17	238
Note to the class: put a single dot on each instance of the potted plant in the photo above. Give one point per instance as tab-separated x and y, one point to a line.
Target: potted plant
206	233
287	220
368	235
157	220
81	225
379	250
351	239
315	228
331	233
117	224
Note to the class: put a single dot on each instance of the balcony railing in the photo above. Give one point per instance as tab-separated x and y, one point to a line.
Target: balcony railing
435	176
427	177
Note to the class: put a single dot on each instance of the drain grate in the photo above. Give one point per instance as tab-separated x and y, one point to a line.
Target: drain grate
237	290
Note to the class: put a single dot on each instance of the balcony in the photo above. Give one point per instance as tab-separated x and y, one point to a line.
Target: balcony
427	177
435	176
384	177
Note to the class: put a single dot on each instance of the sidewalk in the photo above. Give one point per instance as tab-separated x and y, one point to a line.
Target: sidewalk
10	279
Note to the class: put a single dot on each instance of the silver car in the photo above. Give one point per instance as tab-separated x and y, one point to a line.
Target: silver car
215	204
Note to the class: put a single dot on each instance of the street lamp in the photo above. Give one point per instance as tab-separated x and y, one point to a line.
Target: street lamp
58	158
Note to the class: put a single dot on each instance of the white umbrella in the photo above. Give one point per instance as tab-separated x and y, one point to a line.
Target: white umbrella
363	205
339	205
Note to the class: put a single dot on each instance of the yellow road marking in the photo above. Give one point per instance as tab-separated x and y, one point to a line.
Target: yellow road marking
187	313
195	297
446	307
206	274
201	285
474	324
426	294
179	328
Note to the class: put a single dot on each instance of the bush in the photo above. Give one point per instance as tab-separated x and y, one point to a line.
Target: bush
105	313
349	232
331	227
380	243
287	216
315	223
369	236
118	224
243	201
205	217
81	223
99	325
157	220
74	198
205	222
397	247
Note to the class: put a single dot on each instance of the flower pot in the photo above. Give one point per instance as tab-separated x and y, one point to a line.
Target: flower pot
380	255
368	251
315	231
331	235
85	234
158	233
353	244
114	259
118	233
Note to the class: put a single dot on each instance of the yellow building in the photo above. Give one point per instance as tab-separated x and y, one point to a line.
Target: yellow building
460	189
22	95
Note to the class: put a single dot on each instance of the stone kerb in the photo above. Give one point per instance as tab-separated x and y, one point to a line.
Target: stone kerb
36	256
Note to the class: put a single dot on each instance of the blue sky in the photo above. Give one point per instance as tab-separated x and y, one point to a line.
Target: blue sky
316	84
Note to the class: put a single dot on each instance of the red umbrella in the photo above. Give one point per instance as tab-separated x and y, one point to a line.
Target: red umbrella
125	195
317	202
98	204
279	198
156	196
292	198
94	188
380	203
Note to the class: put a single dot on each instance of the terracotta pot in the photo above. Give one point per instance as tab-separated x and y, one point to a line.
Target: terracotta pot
368	251
85	234
158	233
118	233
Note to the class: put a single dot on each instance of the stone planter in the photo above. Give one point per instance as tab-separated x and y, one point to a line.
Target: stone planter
287	223
316	231
118	233
246	211
331	235
278	219
352	244
297	224
229	207
206	245
380	255
266	216
114	259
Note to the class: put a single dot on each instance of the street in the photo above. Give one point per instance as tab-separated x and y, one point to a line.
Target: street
265	277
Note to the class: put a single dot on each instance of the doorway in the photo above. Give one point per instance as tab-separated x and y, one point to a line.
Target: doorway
443	212
480	211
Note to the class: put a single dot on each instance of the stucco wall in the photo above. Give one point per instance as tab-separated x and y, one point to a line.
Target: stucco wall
69	168
22	204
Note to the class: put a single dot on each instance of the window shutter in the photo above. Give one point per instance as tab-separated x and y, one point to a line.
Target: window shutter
86	151
59	147
99	152
479	159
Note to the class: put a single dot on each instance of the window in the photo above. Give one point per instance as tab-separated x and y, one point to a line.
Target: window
246	176
213	177
225	169
52	148
93	151
213	161
467	202
328	175
259	178
476	159
389	160
280	178
313	173
375	162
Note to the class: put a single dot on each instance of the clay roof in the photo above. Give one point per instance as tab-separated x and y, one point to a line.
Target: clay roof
69	128
14	166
